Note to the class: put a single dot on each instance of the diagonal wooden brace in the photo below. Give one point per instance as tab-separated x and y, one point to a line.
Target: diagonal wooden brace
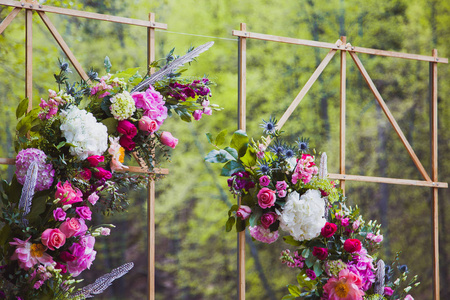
9	18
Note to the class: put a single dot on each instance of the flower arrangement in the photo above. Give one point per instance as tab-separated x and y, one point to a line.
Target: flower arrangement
70	163
281	188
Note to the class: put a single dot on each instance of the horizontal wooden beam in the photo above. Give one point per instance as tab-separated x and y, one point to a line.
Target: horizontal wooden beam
7	161
9	18
388	180
273	38
83	14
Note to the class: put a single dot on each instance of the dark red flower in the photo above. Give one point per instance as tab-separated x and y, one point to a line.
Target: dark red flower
320	253
94	160
352	245
127	128
102	174
127	143
328	230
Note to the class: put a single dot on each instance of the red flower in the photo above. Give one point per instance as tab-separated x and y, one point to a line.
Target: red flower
352	245
127	143
86	174
94	160
127	128
102	174
320	253
328	230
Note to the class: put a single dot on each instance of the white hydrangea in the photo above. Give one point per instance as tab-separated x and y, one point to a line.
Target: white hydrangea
303	217
82	130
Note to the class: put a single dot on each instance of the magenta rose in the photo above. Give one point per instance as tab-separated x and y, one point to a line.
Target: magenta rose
281	185
328	230
243	212
168	140
70	227
86	174
268	219
61	267
147	124
264	180
94	160
197	114
345	222
311	274
127	143
53	238
388	291
102	174
352	245
67	194
320	253
66	256
127	128
266	198
84	212
59	214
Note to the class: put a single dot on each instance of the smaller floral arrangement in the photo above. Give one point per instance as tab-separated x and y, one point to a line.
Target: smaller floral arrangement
282	189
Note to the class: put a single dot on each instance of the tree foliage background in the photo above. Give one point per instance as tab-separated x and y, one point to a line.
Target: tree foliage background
195	258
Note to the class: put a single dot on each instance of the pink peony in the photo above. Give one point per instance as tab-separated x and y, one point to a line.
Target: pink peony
84	212
84	255
53	238
346	287
168	140
66	194
59	214
266	198
244	212
29	254
152	103
147	124
70	227
264	235
264	180
268	219
304	169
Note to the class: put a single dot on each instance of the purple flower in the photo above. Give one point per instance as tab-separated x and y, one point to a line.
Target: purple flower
281	185
264	180
45	171
59	214
311	274
84	212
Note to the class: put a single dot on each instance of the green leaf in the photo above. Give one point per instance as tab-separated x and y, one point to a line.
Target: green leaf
288	297
37	208
210	138
126	74
220	138
111	124
60	145
84	103
306	253
232	151
318	268
218	156
22	108
25	124
4	234
294	290
233	209
255	216
240	225
107	64
230	222
247	199
249	159
231	167
290	240
310	261
239	141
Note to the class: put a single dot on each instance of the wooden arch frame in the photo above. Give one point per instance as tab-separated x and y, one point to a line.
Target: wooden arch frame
29	6
345	48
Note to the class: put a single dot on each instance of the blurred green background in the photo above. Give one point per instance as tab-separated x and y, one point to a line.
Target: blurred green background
195	258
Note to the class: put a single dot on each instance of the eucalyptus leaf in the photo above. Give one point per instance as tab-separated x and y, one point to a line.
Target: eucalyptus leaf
232	152
318	268
107	64
218	156
310	261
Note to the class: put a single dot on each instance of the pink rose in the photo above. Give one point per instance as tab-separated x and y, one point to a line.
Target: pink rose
370	236
127	143
127	128
268	219
264	180
84	212
168	140
282	193
197	114
147	124
70	227
207	111
67	194
102	174
94	160
243	212
93	198
266	198
281	185
59	214
378	238
86	174
388	291
345	222
105	231
53	238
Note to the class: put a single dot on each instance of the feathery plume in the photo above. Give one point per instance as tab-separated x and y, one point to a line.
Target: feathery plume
323	172
379	283
28	190
172	67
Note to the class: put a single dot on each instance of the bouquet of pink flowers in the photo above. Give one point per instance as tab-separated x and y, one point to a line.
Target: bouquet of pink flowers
281	187
70	164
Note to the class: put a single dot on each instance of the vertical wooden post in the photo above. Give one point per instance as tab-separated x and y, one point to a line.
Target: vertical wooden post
242	74
434	175
29	58
151	183
342	111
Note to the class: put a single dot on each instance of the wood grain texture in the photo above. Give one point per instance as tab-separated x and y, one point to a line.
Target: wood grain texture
29	58
400	181
6	21
342	106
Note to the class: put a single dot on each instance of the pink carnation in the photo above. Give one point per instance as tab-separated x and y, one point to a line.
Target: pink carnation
304	169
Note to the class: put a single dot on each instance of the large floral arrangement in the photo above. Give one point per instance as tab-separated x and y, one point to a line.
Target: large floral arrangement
281	188
70	164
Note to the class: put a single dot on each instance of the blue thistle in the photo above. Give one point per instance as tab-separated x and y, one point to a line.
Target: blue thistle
303	144
289	152
279	149
263	167
269	127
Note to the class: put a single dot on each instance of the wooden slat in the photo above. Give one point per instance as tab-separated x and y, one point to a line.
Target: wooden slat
388	180
287	40
29	58
434	173
389	115
305	89
151	43
151	238
242	113
84	14
7	161
134	169
63	45
342	112
6	21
